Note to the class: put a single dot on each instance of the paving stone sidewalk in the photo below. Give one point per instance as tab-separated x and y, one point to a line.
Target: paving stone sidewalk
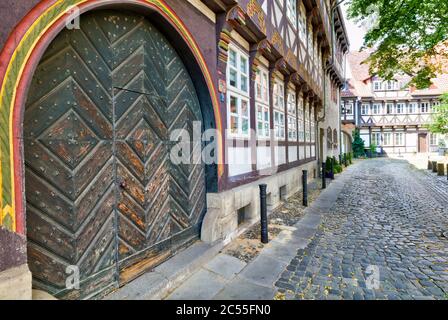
374	233
228	278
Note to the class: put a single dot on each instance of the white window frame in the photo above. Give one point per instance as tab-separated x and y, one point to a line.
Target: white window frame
301	21
412	107
435	104
279	109
376	108
365	107
300	119
242	96
262	103
400	141
307	124
392	108
349	109
312	126
292	115
433	139
377	84
424	107
377	139
387	139
291	12
400	108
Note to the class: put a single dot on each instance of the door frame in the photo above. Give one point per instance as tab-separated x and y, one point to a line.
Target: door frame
423	135
36	31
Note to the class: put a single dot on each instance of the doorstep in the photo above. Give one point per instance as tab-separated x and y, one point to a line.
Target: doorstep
156	284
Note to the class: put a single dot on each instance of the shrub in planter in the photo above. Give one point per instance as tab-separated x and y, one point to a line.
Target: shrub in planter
349	158
328	162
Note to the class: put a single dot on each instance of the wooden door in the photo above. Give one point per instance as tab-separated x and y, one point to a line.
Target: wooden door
102	193
422	143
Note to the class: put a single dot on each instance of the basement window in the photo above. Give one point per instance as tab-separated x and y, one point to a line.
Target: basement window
242	215
282	192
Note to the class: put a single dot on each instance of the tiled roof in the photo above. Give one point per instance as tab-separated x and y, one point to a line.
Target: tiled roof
359	79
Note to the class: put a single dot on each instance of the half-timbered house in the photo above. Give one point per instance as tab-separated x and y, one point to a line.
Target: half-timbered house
389	114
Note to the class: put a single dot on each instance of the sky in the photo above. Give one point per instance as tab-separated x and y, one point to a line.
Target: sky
355	33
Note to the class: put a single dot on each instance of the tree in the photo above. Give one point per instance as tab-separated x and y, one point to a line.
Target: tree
439	123
408	36
358	144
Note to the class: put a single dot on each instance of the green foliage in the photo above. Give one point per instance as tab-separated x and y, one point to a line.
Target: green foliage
328	164
405	35
372	148
358	144
349	158
439	121
337	168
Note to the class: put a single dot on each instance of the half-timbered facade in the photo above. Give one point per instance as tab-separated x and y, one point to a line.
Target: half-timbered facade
390	114
96	96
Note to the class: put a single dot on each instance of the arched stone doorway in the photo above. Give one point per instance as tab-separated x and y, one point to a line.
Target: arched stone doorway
101	191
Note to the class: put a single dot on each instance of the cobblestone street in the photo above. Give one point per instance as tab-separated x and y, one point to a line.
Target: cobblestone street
389	216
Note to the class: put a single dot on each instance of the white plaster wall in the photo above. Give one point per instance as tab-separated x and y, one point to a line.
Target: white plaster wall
292	153
263	157
239	160
280	155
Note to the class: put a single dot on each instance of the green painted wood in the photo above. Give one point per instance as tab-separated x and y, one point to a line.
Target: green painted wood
102	193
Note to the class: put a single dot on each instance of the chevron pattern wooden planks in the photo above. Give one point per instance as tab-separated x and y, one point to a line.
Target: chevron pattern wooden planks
102	192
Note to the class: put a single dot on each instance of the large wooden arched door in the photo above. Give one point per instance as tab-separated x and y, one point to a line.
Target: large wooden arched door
102	193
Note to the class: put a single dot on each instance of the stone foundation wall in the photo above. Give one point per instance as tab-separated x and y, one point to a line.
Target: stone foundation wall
221	221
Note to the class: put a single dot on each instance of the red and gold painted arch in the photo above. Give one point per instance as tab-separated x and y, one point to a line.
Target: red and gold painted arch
18	59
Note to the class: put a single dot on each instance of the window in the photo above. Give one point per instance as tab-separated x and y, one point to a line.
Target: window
313	130
387	139
335	139
365	109
399	138
400	108
377	85
300	120
239	115
435	104
376	108
376	138
292	128
310	41
291	11
302	24
390	85
412	107
263	125
349	108
292	116
262	86
389	108
279	124
279	109
238	93
307	125
292	103
262	102
424	107
433	139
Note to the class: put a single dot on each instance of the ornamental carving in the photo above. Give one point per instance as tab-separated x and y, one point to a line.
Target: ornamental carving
255	9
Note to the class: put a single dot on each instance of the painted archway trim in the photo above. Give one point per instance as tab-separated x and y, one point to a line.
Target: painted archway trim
19	59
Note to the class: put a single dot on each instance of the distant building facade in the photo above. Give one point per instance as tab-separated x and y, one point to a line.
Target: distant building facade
389	114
